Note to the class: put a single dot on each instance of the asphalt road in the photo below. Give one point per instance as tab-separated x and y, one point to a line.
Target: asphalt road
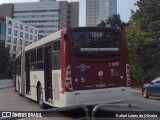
11	101
151	104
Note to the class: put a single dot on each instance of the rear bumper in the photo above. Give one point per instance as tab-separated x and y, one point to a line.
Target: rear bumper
91	97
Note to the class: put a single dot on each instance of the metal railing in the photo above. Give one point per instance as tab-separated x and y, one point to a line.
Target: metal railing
96	108
89	115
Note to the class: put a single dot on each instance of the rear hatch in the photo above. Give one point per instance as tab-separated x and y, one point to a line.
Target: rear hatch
95	75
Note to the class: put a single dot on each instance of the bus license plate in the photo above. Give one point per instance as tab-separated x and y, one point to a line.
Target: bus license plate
101	85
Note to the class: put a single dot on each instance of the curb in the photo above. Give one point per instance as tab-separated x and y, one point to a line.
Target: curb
6	87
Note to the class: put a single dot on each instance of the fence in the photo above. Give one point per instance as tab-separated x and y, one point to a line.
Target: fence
139	83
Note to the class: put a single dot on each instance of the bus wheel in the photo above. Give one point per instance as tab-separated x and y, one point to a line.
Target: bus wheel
40	97
19	89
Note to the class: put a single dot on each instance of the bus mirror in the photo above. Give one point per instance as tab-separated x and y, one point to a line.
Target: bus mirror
65	37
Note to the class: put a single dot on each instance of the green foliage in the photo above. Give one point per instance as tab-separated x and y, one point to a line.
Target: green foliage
4	58
143	34
103	23
113	21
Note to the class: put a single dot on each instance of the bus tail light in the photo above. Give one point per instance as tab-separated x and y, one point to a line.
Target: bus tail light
128	76
69	86
69	78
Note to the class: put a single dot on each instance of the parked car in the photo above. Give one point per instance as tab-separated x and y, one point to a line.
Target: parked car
152	88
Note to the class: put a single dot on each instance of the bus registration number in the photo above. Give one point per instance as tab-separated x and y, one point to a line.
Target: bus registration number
101	85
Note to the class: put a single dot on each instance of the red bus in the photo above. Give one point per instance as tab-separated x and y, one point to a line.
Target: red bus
83	65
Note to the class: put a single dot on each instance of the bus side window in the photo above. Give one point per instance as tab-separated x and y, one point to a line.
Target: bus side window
56	55
33	60
40	59
40	54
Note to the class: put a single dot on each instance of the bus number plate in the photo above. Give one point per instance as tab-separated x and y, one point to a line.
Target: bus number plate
101	85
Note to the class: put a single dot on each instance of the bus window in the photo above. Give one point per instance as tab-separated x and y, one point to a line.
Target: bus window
96	42
33	60
40	58
56	55
33	56
40	54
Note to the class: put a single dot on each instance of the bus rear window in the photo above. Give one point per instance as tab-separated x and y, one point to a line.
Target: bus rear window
96	42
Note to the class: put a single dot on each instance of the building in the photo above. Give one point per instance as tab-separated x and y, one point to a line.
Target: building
19	35
48	15
2	30
97	10
6	10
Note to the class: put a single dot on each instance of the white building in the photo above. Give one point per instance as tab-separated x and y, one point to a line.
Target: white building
97	10
48	15
19	35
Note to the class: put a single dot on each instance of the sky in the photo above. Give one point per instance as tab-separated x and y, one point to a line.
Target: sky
123	8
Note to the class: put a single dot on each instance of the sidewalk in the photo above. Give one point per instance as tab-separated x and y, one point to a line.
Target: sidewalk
6	83
136	90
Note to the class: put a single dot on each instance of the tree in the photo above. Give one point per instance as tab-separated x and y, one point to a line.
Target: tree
4	58
143	40
113	21
148	16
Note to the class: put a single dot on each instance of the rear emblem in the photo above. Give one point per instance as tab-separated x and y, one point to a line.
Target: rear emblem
82	67
82	79
100	73
76	80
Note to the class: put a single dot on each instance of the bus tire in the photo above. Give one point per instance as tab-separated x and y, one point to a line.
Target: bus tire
15	90
40	97
20	94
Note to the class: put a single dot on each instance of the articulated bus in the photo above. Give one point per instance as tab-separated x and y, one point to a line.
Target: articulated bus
82	65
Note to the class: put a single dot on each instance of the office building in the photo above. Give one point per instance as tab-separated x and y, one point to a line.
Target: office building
19	35
48	15
6	10
2	30
97	10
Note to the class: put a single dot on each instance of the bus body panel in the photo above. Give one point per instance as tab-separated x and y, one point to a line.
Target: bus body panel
79	80
99	74
35	77
58	97
102	95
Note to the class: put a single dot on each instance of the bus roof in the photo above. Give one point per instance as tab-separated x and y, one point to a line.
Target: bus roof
57	34
18	54
95	28
47	39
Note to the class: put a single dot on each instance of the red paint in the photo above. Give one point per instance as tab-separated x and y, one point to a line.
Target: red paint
94	65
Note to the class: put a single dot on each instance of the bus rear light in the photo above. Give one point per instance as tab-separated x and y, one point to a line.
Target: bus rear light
128	75
67	81
129	82
69	78
69	85
68	75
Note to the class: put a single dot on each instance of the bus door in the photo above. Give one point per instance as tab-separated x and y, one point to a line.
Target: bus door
27	73
48	73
